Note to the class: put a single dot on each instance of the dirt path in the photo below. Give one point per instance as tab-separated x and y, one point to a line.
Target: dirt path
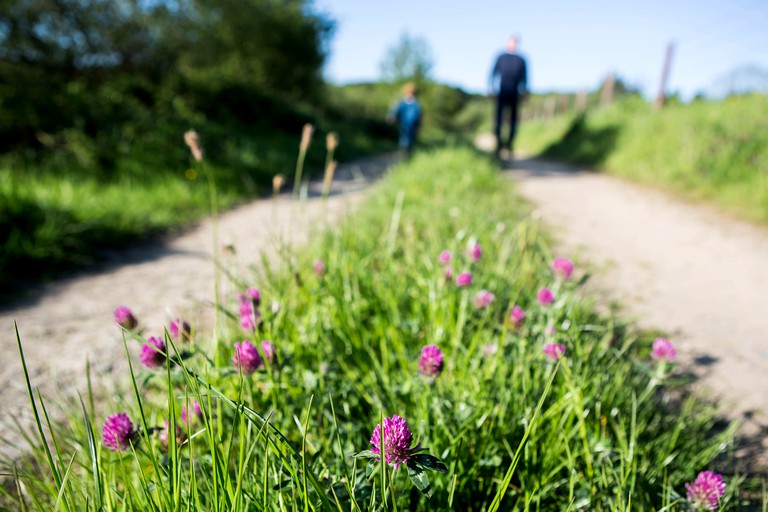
683	268
72	319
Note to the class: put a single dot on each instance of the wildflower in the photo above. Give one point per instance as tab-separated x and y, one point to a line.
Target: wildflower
516	316
545	297
448	273
563	268
475	252
318	267
269	351
124	318
705	492
247	357
164	436
119	433
431	361
464	279
483	299
663	350
445	257
249	315
192	139
554	350
396	443
254	295
153	352
196	410
180	330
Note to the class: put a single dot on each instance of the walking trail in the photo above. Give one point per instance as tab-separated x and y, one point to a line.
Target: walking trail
682	268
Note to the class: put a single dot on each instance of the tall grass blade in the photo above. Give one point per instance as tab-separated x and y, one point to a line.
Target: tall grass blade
38	423
93	452
531	425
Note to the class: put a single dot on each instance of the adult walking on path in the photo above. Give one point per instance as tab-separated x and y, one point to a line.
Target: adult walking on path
509	83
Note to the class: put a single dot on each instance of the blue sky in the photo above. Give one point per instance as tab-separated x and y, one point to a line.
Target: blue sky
569	44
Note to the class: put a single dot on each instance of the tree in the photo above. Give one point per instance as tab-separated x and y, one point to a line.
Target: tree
410	59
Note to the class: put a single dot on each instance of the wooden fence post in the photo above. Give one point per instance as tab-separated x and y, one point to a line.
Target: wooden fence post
661	98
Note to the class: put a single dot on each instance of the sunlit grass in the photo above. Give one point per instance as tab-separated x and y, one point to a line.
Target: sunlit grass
602	428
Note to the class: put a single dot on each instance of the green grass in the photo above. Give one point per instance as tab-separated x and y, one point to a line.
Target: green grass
708	150
602	429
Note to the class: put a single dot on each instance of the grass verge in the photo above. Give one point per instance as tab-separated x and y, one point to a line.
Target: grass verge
371	325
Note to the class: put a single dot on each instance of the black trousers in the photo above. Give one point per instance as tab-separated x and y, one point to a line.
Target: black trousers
506	101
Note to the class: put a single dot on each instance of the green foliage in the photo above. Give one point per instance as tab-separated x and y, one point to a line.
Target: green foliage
602	429
713	150
410	59
86	83
96	94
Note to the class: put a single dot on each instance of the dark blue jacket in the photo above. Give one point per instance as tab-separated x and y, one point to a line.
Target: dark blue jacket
512	75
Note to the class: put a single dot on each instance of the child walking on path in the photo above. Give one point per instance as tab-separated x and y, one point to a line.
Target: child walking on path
407	114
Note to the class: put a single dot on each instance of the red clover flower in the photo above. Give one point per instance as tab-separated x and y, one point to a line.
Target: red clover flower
663	350
431	362
249	315
318	267
483	299
254	295
464	279
545	297
516	316
196	409
554	351
705	492
153	353
475	252
445	257
396	443
124	318
563	268
180	330
119	433
269	351
247	357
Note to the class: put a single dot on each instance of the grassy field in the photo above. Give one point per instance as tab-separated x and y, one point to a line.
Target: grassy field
407	309
710	150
